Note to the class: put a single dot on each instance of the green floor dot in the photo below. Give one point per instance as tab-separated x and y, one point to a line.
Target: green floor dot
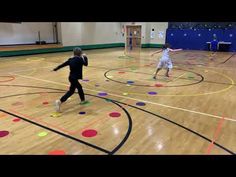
86	103
41	134
108	100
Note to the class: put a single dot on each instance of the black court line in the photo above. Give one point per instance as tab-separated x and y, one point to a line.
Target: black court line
198	81
228	59
175	123
68	136
129	124
58	132
182	78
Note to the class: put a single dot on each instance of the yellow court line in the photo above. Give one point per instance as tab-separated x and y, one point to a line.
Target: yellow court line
163	105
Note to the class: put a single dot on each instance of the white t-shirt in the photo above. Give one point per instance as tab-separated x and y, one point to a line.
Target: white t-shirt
165	54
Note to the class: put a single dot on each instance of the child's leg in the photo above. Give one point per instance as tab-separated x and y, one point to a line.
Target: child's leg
167	72
71	90
80	91
65	97
158	69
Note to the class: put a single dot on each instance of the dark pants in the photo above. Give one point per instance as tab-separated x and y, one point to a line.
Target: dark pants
74	84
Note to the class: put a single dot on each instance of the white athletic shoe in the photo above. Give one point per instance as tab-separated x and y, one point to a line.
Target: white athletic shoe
58	105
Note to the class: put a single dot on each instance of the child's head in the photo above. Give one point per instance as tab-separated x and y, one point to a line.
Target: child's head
77	51
165	46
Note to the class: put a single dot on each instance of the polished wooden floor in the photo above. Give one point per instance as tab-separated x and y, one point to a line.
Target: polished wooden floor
192	112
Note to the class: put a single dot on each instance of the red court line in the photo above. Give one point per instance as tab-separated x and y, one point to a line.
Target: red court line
11	78
216	135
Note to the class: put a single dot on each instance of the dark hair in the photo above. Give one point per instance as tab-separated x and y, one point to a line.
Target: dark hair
165	46
77	51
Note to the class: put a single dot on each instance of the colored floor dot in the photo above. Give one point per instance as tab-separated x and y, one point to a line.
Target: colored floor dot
45	102
130	82
57	152
102	94
152	93
17	104
42	134
96	85
107	80
89	133
85	80
55	114
16	120
140	104
125	93
114	114
158	85
108	100
3	133
85	103
82	112
121	72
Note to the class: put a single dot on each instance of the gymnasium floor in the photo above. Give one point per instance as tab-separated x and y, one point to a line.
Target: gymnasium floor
192	112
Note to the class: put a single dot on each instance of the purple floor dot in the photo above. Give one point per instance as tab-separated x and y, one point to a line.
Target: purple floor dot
96	85
82	112
152	93
102	94
85	80
140	104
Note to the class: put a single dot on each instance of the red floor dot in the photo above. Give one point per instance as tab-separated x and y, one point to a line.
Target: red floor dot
158	85
45	102
114	114
121	72
3	133
16	120
89	133
57	152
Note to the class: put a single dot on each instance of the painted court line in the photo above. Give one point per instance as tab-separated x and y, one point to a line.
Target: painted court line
125	97
216	135
178	77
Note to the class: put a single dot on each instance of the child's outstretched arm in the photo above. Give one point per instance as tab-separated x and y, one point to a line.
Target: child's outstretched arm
156	52
175	50
85	58
62	65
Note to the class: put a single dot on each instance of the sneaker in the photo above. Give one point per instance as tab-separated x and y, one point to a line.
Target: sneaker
83	102
58	105
154	77
167	75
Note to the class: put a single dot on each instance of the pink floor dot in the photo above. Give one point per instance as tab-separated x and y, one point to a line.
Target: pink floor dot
89	133
57	152
114	114
3	133
16	120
